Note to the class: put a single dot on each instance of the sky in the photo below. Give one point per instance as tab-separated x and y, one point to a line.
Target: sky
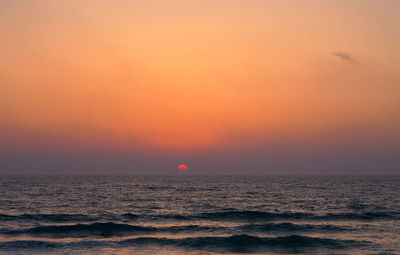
226	87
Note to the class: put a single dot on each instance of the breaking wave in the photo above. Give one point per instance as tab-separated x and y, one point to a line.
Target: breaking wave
234	243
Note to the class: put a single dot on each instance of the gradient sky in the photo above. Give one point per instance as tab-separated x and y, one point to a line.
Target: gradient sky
227	87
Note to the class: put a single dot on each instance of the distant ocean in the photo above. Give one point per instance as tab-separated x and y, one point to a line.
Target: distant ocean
199	215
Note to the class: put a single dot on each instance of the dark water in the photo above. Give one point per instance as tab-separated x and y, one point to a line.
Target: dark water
199	215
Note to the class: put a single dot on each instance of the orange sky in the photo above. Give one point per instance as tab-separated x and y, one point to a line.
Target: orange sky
198	75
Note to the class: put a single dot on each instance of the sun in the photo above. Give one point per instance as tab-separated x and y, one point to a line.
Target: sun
183	167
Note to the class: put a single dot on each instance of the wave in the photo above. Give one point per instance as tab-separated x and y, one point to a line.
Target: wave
233	215
47	217
101	229
251	215
82	230
246	243
234	243
28	244
359	216
257	215
290	227
116	229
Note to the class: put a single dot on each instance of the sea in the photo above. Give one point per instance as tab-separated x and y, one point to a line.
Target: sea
200	215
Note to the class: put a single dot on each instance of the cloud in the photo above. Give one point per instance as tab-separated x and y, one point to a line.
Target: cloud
344	56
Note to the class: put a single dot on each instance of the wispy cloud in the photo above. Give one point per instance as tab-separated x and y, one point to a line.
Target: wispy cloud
344	56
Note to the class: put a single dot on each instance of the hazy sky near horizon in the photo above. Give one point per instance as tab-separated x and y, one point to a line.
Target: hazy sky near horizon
227	87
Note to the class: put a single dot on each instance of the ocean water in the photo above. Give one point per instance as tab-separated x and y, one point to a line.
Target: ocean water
199	215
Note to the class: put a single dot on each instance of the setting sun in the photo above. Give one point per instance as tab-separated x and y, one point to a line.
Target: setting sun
183	167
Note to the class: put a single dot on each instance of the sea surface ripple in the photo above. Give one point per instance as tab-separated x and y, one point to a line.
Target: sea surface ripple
199	214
